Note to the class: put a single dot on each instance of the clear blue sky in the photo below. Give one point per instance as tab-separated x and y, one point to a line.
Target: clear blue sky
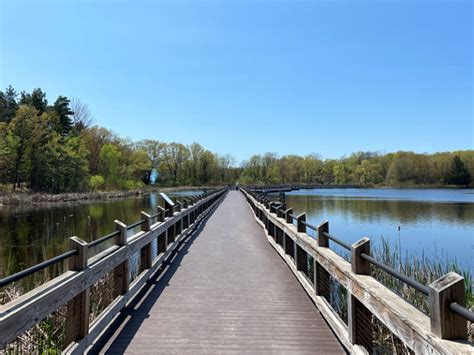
244	77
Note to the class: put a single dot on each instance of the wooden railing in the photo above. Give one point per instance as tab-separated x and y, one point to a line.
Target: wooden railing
366	297
73	288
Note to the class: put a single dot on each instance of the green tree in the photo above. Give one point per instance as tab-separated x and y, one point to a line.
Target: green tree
109	165
8	104
342	173
153	150
458	175
4	154
140	167
208	167
64	112
174	157
44	154
95	138
20	130
37	99
367	173
73	171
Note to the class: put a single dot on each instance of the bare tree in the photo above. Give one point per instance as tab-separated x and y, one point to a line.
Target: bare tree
82	117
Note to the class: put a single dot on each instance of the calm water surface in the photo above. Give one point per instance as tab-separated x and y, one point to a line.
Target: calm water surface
434	223
31	235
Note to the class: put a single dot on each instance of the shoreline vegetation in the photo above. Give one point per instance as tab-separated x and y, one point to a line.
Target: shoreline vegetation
54	148
18	199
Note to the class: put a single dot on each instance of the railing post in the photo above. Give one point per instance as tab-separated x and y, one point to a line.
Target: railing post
360	266
359	317
445	323
78	309
271	225
280	212
288	217
322	281
179	206
270	206
161	214
323	241
147	225
79	261
145	252
121	280
300	226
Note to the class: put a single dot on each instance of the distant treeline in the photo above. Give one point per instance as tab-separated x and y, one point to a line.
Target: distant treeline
55	148
364	169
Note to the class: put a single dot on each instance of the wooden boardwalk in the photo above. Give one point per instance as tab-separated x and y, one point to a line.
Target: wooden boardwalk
227	290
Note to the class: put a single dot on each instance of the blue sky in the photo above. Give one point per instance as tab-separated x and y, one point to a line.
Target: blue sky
244	77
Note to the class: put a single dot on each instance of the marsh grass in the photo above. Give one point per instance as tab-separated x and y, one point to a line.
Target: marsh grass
423	270
49	335
46	337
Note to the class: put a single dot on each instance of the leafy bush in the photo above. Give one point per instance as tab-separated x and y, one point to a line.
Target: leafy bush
97	182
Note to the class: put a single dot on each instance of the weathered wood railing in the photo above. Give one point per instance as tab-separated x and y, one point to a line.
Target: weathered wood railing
72	288
366	296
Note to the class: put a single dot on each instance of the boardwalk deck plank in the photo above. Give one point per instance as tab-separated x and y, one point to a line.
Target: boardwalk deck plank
226	291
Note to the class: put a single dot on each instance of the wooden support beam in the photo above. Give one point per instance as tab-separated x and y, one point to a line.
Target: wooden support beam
301	260
78	309
359	322
444	322
145	258
288	215
145	252
121	280
322	281
359	318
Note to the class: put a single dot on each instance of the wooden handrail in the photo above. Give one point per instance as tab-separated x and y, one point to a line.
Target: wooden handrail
73	286
366	296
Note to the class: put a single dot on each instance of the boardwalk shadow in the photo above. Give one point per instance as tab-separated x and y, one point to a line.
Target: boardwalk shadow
120	333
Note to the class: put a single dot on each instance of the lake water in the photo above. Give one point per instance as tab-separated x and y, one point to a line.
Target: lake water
31	235
434	223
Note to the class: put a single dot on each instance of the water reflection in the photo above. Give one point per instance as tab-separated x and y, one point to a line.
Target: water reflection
382	211
31	235
433	223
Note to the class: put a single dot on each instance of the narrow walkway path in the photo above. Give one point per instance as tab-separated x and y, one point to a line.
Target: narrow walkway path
226	291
